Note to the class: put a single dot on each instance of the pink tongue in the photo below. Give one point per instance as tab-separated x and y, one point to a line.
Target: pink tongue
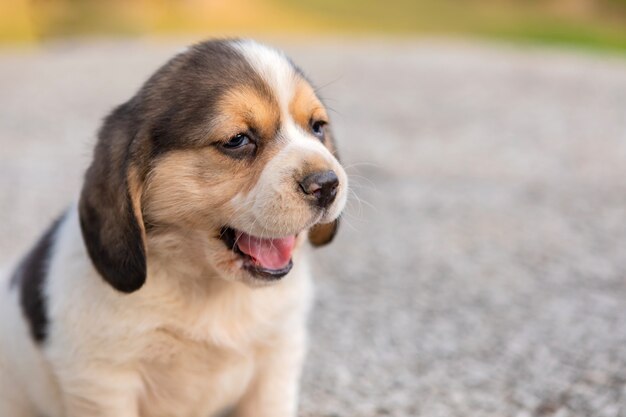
269	253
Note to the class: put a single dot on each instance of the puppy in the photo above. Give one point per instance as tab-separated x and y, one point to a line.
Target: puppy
178	284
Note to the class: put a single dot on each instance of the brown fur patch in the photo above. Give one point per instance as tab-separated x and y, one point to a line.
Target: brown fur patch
305	106
245	109
135	192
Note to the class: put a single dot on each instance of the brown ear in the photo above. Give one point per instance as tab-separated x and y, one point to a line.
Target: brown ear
323	233
110	213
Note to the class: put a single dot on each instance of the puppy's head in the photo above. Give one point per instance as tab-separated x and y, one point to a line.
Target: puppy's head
225	153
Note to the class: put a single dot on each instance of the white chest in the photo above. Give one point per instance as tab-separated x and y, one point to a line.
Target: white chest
186	378
202	361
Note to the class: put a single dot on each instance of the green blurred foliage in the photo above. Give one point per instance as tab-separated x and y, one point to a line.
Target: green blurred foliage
590	23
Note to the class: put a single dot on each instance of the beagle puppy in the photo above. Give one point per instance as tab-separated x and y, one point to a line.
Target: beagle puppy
178	284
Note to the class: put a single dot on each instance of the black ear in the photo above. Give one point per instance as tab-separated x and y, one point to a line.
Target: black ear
109	208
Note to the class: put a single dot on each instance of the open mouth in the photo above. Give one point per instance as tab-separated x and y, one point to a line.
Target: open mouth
267	259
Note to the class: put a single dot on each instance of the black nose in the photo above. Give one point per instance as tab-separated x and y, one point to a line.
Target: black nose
322	186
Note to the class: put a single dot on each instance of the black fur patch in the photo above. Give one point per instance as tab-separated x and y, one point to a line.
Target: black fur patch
29	278
122	260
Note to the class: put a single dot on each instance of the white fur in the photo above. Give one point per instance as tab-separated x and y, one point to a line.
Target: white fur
273	66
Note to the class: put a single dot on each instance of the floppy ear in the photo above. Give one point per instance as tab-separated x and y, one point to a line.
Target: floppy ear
109	208
323	233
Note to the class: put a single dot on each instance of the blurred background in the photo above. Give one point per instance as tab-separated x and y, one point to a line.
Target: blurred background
594	23
597	23
481	266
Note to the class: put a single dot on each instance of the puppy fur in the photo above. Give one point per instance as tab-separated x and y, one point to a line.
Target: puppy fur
133	303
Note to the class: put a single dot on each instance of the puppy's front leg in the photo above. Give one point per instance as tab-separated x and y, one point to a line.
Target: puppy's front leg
274	389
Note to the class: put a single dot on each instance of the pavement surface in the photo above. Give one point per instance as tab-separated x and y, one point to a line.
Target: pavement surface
481	267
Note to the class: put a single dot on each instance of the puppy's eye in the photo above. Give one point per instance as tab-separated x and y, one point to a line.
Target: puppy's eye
237	141
317	127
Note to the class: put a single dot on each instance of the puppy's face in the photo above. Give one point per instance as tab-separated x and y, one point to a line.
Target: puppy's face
230	156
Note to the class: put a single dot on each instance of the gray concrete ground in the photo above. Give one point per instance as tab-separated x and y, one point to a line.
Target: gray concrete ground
481	267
